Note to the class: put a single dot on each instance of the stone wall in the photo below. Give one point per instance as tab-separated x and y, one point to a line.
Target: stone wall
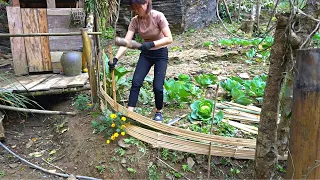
181	14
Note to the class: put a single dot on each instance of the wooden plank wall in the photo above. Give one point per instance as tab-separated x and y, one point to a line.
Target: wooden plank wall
59	22
17	43
33	44
43	22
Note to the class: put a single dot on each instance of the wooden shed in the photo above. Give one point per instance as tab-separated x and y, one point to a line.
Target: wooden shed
39	54
38	57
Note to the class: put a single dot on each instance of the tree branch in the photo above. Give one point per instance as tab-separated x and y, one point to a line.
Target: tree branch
310	35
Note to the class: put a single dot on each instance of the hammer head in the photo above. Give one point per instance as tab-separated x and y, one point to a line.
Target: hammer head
127	43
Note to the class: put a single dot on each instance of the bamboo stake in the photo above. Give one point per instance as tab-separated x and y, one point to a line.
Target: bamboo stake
114	92
213	113
36	110
104	75
87	50
47	34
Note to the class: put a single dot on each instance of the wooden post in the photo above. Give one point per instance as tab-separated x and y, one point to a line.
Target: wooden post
88	52
114	90
15	3
304	156
51	4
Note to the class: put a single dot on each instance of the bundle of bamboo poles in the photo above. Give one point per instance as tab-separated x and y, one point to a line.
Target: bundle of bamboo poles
241	117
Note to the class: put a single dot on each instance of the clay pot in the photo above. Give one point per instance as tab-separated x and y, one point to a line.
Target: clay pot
71	63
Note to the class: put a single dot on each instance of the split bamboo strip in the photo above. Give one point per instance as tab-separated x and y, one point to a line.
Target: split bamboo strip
253	108
221	106
178	131
159	140
242	126
243	114
242	119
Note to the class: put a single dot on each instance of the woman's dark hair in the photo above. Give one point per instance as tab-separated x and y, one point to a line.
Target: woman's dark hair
143	2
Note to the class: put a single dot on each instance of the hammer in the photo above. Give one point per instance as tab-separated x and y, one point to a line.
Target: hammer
129	44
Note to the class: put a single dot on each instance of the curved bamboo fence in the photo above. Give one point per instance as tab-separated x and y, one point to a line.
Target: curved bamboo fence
175	138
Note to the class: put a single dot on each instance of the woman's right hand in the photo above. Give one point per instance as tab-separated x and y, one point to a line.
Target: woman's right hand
112	65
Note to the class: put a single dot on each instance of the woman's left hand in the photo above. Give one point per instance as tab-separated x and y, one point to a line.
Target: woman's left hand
146	46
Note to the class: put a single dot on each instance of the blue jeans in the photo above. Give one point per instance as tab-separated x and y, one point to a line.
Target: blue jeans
158	58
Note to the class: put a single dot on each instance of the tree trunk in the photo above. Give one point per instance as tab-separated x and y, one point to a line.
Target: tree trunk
258	11
266	150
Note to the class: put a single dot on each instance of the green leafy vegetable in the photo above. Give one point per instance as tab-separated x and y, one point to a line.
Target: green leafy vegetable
201	110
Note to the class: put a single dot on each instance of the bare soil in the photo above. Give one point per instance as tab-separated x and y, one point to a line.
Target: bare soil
68	142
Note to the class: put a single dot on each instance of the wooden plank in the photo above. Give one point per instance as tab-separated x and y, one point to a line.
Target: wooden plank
79	80
44	40
81	3
17	84
51	3
46	85
15	3
55	61
63	82
35	80
17	43
60	24
62	11
33	44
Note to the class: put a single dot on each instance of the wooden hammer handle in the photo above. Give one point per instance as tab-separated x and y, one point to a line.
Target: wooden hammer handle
129	44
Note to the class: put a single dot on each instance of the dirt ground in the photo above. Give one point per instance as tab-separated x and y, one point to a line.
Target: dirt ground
69	144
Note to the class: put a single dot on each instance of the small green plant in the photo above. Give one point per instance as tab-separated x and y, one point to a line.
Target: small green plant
112	170
234	171
113	125
204	80
131	171
120	151
169	155
280	168
82	102
186	168
2	173
180	91
152	172
207	44
101	168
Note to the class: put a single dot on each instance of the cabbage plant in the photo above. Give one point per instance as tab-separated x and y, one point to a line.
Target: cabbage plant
201	110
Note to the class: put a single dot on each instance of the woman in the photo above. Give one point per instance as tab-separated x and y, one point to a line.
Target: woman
153	27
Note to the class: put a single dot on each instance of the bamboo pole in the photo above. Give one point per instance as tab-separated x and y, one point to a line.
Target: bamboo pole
305	121
36	110
211	126
114	90
104	75
88	52
47	34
